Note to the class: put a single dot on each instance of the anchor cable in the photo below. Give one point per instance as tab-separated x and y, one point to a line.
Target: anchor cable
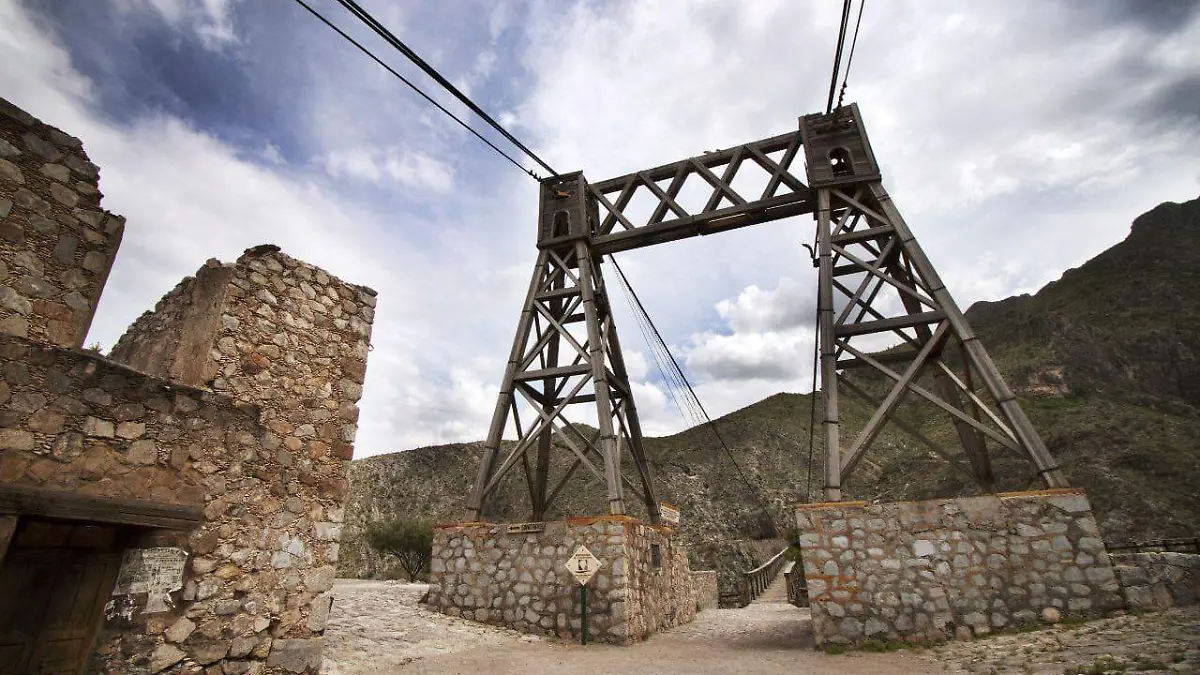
850	59
692	394
837	55
414	87
432	72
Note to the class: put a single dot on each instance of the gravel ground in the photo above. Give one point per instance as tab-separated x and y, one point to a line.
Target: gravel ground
1159	642
377	628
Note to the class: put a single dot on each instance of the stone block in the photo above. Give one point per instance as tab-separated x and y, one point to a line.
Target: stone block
296	656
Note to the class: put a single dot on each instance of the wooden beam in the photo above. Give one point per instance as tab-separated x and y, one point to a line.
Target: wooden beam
884	411
712	222
558	293
545	373
886	325
719	158
883	357
932	398
954	462
856	236
71	505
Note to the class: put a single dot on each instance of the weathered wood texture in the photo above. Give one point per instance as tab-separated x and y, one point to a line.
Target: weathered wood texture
53	503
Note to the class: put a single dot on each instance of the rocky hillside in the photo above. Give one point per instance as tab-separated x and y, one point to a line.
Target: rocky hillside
1105	360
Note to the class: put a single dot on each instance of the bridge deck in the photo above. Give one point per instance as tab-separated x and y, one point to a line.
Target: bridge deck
777	592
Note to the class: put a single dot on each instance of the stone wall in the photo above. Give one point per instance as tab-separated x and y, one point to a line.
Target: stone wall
260	565
705	583
482	572
956	567
235	399
273	330
1154	581
174	340
56	243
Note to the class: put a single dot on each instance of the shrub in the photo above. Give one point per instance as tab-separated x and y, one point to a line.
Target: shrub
409	539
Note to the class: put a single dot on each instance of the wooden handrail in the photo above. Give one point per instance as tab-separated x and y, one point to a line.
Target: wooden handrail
755	581
797	589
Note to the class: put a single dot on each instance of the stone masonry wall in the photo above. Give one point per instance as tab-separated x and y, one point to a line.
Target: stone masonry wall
659	597
256	588
236	395
705	583
174	340
56	243
481	572
956	567
1156	581
279	332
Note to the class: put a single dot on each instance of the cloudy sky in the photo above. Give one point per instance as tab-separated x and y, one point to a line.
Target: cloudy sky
1018	138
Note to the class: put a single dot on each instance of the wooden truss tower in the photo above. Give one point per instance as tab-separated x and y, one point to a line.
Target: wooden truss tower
874	280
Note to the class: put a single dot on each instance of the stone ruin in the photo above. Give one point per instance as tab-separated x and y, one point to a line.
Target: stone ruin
177	506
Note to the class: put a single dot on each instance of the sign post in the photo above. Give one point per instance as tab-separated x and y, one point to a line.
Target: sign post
583	566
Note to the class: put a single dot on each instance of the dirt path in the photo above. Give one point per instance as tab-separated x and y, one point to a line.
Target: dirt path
376	628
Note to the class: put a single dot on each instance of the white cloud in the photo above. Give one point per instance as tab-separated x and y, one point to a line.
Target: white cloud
211	20
788	305
411	169
769	355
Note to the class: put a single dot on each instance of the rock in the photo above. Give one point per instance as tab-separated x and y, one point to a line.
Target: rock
180	630
94	426
10	172
164	656
208	652
318	615
64	195
56	171
296	656
242	646
142	452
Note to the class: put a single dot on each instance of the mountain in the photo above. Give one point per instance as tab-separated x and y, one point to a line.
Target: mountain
1106	361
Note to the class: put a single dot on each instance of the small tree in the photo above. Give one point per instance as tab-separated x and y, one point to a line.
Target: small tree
409	539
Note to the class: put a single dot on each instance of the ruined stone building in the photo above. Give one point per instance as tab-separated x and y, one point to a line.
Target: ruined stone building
177	506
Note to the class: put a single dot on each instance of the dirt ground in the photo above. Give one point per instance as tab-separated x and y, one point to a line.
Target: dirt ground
377	628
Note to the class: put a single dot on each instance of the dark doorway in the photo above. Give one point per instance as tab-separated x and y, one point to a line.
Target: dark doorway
55	581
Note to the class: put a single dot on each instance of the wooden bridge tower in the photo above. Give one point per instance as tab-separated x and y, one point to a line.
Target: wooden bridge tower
873	279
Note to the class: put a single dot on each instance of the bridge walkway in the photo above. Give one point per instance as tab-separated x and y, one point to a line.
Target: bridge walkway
777	592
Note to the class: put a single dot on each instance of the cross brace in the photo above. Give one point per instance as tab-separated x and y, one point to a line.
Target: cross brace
869	264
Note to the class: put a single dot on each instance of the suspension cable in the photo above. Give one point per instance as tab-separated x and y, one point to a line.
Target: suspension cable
837	55
673	392
692	393
850	59
432	72
415	88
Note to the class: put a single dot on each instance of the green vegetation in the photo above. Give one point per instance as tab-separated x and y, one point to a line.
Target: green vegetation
879	646
409	540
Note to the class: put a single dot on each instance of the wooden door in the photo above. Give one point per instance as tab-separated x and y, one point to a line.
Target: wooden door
52	597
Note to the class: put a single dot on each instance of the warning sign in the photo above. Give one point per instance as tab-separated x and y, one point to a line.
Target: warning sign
670	514
154	571
583	565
